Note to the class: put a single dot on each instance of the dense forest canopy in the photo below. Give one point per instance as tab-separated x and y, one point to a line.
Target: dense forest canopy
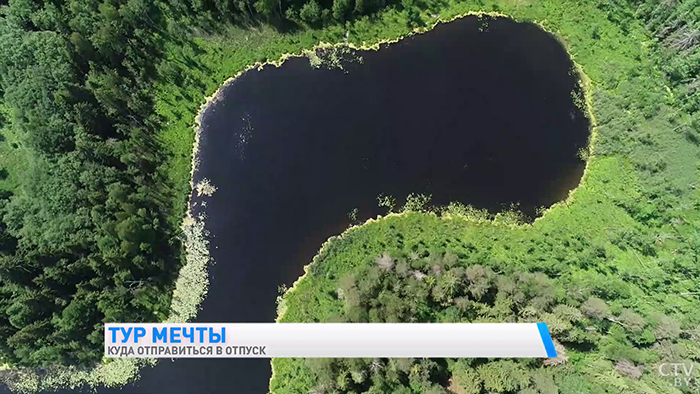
87	237
422	287
89	232
96	107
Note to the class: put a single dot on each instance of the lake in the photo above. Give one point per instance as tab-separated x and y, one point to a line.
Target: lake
481	117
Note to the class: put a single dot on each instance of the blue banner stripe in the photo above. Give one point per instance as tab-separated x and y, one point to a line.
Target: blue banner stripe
547	340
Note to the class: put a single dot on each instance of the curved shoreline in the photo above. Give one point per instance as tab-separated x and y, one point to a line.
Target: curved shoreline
192	283
585	83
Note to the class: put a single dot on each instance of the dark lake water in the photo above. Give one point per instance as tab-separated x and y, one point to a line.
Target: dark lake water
484	118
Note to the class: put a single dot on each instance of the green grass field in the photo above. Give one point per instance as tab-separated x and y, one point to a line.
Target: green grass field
14	160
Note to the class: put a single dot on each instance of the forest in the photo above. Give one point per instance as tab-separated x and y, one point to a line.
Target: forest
90	219
610	327
97	102
87	230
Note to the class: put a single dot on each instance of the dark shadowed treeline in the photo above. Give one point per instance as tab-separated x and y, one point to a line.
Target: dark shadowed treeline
214	14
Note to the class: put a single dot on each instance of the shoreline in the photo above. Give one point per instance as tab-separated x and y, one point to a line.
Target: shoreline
585	83
192	283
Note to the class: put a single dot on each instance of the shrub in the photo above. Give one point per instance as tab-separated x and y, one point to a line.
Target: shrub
310	13
595	308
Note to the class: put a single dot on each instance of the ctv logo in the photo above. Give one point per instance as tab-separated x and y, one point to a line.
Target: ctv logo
684	374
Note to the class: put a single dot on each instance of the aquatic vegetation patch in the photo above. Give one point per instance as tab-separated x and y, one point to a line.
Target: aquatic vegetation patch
331	56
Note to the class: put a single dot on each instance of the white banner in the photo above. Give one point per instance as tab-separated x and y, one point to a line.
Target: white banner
343	340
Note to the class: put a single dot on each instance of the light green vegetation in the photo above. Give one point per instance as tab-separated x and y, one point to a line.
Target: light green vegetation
618	299
13	158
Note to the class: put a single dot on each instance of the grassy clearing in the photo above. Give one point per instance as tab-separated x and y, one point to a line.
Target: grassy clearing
14	160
